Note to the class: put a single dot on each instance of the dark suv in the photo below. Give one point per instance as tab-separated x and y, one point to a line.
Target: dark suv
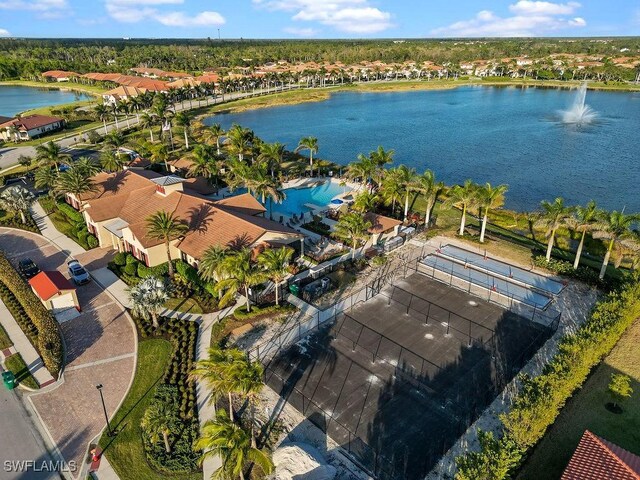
28	268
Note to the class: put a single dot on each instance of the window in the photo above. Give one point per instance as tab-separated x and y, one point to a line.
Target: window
183	257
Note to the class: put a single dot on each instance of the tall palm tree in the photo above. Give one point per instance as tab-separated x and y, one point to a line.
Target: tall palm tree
45	177
49	154
271	154
276	262
240	141
379	159
364	169
210	266
111	161
147	120
393	187
87	166
159	153
212	135
464	196
489	198
352	228
74	181
616	228
553	216
114	139
427	186
583	220
311	145
365	202
265	186
246	380
158	421
239	273
166	227
203	164
102	112
148	297
17	199
228	441
184	120
239	174
407	178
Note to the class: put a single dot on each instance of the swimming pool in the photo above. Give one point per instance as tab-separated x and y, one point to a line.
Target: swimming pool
497	267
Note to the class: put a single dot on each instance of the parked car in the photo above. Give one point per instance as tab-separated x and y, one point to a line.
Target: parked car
79	275
28	268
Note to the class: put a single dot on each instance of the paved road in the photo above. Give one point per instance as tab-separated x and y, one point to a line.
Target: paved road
9	155
20	442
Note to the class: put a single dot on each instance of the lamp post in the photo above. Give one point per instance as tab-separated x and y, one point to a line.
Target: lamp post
104	409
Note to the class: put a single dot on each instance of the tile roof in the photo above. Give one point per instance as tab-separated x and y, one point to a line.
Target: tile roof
598	459
229	222
31	121
48	284
125	91
59	74
183	163
380	223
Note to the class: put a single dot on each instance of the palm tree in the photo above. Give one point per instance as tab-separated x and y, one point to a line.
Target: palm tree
365	202
489	198
240	141
363	168
49	154
553	216
616	228
265	186
74	181
114	139
427	186
45	177
18	200
228	441
239	174
276	262
148	297
393	187
210	266
102	113
166	227
111	161
202	163
87	166
184	120
212	135
159	153
310	144
352	228
407	178
246	380
583	220
464	196
272	154
158	421
147	120
379	159
239	273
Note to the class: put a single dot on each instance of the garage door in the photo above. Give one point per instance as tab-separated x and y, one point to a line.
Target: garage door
62	302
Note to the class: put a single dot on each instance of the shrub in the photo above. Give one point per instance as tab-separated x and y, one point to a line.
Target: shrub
92	241
584	274
48	339
120	259
131	268
70	212
93	137
131	259
144	271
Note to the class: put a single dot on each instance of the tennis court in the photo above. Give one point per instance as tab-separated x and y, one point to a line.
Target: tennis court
505	270
397	379
487	280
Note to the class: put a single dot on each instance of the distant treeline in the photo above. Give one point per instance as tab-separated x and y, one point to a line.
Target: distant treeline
27	58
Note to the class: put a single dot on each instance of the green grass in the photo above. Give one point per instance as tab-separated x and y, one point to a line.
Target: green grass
5	341
186	305
16	364
77	87
125	451
586	410
64	226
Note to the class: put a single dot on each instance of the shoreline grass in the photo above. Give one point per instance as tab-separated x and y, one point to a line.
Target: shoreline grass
64	86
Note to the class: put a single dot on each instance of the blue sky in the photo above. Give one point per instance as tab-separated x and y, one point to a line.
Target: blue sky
317	18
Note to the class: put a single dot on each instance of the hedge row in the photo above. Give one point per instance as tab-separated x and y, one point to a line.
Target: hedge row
584	274
70	212
541	398
48	337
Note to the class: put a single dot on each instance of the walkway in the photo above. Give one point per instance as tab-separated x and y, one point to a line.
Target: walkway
23	346
100	348
50	232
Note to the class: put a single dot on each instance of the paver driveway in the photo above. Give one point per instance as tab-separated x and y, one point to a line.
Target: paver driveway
100	349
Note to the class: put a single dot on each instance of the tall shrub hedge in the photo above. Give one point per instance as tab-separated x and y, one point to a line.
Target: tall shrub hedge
541	398
48	338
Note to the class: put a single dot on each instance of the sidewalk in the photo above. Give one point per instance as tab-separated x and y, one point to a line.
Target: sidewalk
51	233
23	346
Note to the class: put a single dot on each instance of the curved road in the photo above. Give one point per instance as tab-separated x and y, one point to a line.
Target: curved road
100	348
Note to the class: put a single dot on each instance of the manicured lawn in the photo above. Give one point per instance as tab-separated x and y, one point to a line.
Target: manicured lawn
92	89
125	452
586	410
5	341
186	305
16	364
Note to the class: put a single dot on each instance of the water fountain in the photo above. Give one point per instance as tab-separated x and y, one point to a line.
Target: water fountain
580	113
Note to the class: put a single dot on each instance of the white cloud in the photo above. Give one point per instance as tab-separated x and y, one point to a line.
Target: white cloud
302	32
4	33
530	18
34	5
133	11
351	16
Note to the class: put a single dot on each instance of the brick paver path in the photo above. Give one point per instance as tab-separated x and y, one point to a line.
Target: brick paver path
100	349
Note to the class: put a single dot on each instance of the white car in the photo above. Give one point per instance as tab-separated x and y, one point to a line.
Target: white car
78	273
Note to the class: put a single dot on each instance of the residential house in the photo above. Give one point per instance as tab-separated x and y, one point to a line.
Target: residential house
117	212
59	75
598	459
31	126
118	94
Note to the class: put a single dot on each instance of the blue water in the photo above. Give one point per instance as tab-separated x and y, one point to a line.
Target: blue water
489	134
492	265
16	99
296	198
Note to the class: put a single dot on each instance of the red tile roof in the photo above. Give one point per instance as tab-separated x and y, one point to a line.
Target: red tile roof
59	74
380	223
31	121
48	284
598	459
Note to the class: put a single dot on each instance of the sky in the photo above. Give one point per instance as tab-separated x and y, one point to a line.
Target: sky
317	18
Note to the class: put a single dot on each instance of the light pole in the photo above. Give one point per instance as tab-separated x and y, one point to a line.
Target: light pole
104	408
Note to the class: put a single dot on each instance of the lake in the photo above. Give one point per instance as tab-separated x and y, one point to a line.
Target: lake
16	99
489	134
